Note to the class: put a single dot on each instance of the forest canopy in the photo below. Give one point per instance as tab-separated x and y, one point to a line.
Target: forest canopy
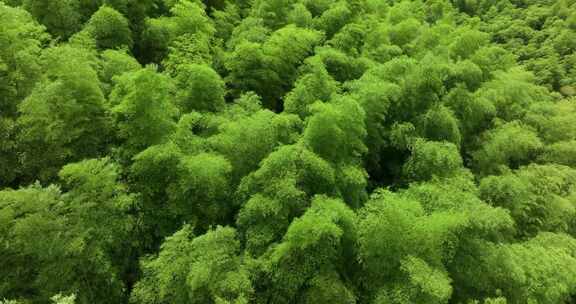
288	151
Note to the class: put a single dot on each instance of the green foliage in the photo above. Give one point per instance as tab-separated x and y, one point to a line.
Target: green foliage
279	191
152	172
524	269
424	285
512	93
439	124
200	89
334	18
189	49
142	109
539	197
273	12
114	63
492	59
248	139
314	247
293	163
562	153
178	188
474	113
341	66
186	18
552	120
468	43
202	188
20	66
61	235
249	70
60	299
335	130
109	29
393	232
64	118
287	47
20	69
188	269
61	18
317	85
287	151
270	68
509	145
429	159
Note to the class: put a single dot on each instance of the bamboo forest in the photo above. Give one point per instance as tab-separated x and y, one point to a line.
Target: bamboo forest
287	151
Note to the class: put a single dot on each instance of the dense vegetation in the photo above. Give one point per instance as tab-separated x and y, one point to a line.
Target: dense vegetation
288	151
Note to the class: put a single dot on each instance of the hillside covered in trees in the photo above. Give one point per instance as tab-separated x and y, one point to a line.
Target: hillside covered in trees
288	151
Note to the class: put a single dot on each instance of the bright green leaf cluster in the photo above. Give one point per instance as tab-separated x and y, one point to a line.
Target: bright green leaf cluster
287	151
